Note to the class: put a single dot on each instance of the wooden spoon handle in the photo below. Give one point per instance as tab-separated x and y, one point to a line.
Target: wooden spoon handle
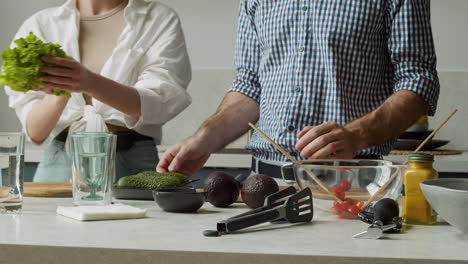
435	131
291	158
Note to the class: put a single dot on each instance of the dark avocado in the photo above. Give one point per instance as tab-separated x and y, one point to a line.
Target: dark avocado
221	189
256	188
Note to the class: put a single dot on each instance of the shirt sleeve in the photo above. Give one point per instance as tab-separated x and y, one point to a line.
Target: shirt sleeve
166	74
23	103
247	55
411	48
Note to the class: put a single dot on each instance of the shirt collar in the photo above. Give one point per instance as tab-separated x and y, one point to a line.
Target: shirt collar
67	8
134	7
138	6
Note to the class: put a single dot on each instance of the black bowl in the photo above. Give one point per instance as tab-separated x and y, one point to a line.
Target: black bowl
179	200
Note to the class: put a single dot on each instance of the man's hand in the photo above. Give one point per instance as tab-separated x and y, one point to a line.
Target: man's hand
228	123
71	76
328	140
185	157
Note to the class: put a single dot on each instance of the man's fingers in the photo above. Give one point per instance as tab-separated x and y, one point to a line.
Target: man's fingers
304	131
329	150
318	144
313	134
178	161
163	165
166	160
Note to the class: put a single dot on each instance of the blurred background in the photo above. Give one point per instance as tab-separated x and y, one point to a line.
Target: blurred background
210	29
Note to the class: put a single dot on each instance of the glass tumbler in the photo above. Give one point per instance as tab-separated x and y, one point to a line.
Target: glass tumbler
11	172
93	167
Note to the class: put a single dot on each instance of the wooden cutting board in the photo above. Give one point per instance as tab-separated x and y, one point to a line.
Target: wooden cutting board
47	189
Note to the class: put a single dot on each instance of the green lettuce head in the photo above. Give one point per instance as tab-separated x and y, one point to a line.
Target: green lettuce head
21	64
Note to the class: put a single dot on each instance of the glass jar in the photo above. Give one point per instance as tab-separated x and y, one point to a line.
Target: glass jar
416	209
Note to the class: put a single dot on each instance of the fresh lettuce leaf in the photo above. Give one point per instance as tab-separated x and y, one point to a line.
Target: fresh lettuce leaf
21	64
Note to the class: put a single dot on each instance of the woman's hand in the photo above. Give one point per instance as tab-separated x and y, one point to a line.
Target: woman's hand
70	76
73	77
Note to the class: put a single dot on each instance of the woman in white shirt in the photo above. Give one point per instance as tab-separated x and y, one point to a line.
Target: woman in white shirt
127	69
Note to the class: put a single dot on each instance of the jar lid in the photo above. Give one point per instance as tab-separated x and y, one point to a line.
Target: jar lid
420	157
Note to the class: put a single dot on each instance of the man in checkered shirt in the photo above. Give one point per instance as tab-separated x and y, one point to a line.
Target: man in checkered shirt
324	79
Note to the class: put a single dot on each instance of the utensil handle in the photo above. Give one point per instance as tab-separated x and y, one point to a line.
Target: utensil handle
251	220
435	131
383	188
294	160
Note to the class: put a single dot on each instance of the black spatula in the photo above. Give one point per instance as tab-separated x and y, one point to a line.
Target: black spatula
297	208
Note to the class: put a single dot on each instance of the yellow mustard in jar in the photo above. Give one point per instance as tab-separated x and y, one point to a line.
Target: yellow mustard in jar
416	209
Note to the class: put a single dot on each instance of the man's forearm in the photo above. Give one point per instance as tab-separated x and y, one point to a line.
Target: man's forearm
389	120
230	120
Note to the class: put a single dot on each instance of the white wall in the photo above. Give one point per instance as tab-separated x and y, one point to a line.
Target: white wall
450	29
210	27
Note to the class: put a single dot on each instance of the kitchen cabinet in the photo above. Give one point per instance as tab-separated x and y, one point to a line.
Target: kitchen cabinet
38	235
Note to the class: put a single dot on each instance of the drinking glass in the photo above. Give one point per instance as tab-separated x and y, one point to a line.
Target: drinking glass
11	172
93	167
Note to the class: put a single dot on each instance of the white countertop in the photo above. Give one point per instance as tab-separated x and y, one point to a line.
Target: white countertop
38	235
442	163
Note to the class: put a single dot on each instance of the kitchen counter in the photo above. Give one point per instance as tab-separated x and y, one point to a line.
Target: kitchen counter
442	163
240	158
38	235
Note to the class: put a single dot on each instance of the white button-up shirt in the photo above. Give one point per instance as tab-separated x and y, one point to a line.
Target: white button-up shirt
151	56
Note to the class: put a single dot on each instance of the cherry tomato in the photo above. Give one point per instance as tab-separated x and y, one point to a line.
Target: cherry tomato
345	209
345	185
338	189
347	204
359	204
337	208
354	210
339	192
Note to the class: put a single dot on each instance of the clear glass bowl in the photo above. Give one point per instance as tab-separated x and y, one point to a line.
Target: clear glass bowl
365	176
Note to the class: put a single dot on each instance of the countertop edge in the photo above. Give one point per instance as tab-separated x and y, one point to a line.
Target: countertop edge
71	255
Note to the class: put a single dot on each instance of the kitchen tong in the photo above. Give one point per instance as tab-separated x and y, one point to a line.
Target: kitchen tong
285	206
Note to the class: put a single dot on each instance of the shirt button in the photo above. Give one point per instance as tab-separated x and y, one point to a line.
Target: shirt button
291	128
305	8
298	89
302	49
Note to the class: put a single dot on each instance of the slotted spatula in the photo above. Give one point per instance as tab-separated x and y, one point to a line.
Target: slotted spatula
271	201
297	208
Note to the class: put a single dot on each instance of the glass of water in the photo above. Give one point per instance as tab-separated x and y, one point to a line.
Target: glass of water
11	172
93	167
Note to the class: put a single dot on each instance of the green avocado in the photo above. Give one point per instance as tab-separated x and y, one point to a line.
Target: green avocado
152	180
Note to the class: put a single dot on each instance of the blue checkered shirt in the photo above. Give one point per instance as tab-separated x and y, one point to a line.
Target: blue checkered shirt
307	62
